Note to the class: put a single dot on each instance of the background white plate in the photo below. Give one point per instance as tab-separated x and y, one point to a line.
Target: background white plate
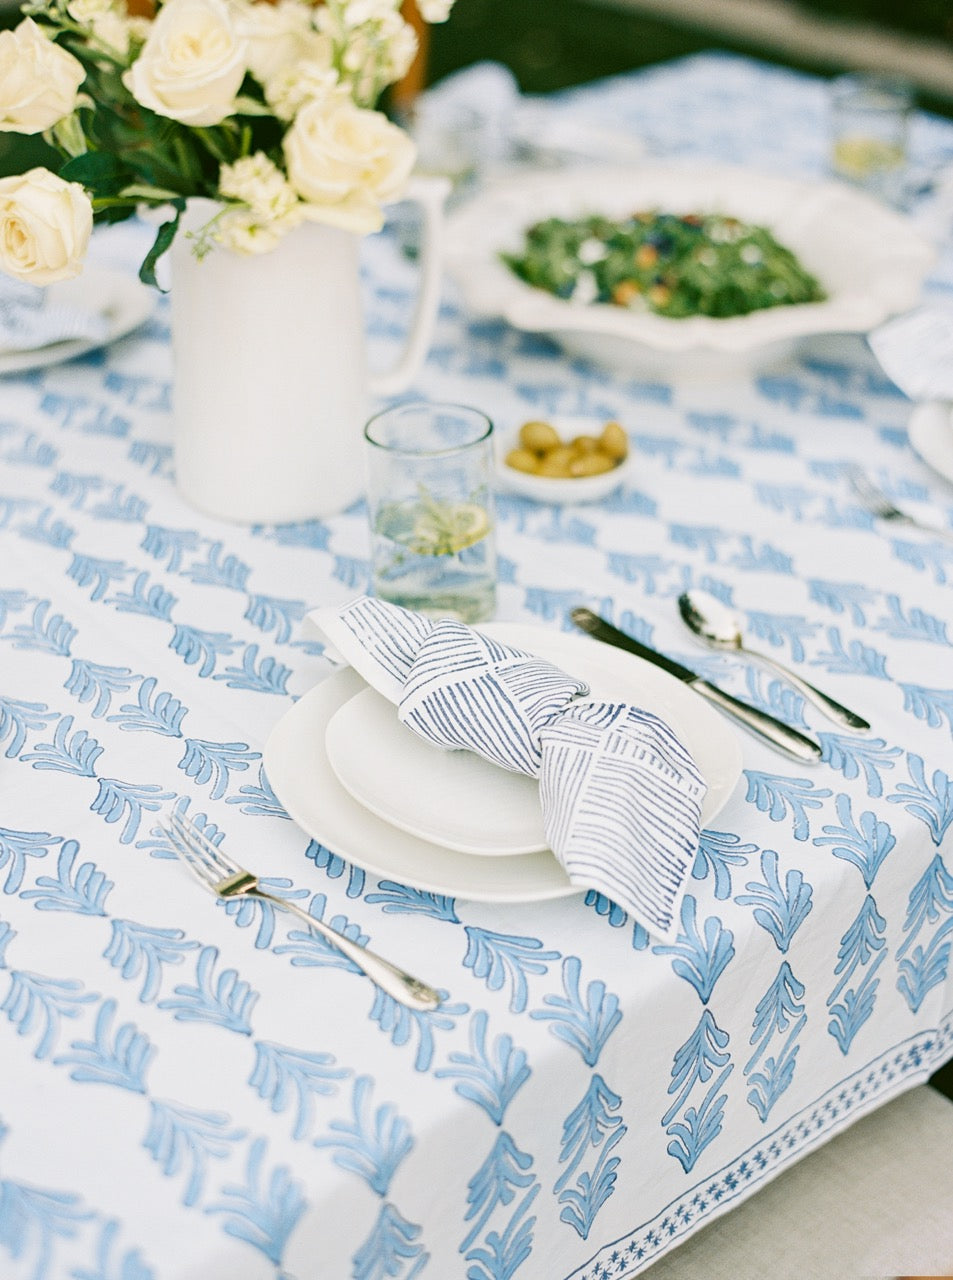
931	433
300	773
871	260
123	299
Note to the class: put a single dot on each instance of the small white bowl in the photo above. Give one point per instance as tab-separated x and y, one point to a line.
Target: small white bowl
554	489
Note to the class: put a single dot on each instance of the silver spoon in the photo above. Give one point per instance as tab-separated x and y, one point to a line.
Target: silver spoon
719	627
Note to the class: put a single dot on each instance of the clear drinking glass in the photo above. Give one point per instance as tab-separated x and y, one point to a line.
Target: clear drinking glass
430	503
869	118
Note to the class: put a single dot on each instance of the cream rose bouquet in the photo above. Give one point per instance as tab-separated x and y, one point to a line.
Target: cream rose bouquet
269	109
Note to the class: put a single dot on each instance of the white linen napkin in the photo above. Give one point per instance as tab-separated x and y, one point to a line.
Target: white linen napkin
29	319
621	796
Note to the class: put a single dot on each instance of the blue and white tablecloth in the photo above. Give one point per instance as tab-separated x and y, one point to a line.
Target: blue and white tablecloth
194	1091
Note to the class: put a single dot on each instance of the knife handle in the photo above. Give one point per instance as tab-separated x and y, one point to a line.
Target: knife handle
780	735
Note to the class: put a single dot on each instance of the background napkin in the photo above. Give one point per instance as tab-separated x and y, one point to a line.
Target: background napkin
621	796
30	318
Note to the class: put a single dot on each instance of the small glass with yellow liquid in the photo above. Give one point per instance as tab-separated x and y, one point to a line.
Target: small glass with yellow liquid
869	119
430	504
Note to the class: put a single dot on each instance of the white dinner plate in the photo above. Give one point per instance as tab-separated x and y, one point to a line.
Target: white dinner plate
121	298
299	771
931	433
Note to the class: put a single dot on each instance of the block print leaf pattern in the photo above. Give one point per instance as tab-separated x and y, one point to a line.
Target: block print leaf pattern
128	1266
489	1077
374	1143
262	1213
853	756
36	1003
33	1220
249	911
154	601
914	624
334	866
19	718
159	844
7	934
51	635
118	800
225	1001
405	900
269	613
587	1022
83	890
931	898
592	1126
201	649
181	1139
152	712
121	1059
776	697
95	683
779	630
13	602
499	958
307	948
139	950
702	1058
284	1077
924	968
503	1175
212	762
853	659
74	752
91	571
781	910
931	705
259	799
169	545
718	852
778	796
843	597
219	570
16	847
614	915
265	676
700	961
930	801
392	1250
863	941
865	843
402	1024
779	1015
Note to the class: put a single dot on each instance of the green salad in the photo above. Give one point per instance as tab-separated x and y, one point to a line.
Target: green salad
673	265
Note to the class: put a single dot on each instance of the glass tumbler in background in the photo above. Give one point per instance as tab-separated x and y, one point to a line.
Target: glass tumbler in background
430	504
869	121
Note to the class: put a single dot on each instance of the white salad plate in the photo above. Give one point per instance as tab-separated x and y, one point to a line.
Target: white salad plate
870	260
300	772
121	298
931	433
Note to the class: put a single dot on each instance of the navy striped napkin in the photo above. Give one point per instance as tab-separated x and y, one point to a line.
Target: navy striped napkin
621	796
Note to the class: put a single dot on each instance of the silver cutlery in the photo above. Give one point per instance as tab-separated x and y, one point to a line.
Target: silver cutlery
218	873
877	502
780	735
720	628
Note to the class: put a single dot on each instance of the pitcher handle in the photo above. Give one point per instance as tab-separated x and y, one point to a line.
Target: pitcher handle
431	194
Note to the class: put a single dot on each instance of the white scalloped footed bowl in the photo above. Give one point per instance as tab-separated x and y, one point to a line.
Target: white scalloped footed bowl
870	260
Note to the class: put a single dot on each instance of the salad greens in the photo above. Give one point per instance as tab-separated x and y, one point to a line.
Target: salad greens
673	265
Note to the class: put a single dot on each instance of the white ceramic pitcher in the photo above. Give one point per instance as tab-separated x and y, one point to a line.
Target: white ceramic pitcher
270	384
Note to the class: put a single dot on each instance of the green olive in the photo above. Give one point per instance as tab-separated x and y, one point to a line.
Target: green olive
592	464
614	441
539	437
523	460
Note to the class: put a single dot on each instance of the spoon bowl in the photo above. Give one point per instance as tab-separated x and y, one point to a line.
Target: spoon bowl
720	628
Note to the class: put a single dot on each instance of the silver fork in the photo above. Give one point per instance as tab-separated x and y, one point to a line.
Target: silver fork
876	501
218	873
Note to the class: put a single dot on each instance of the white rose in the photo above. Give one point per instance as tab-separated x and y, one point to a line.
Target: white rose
38	80
45	224
435	10
279	35
192	63
346	161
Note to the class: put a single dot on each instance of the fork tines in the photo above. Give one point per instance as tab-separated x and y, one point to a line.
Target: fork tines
203	858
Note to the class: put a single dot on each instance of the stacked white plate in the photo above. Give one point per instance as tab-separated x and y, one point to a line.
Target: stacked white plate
370	790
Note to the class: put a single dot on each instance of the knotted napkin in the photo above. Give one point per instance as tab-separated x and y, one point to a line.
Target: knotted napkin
621	796
28	319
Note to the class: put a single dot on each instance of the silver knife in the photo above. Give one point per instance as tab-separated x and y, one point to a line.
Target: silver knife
779	734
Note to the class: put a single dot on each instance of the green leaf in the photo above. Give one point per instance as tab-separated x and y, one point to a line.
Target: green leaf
99	172
164	237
